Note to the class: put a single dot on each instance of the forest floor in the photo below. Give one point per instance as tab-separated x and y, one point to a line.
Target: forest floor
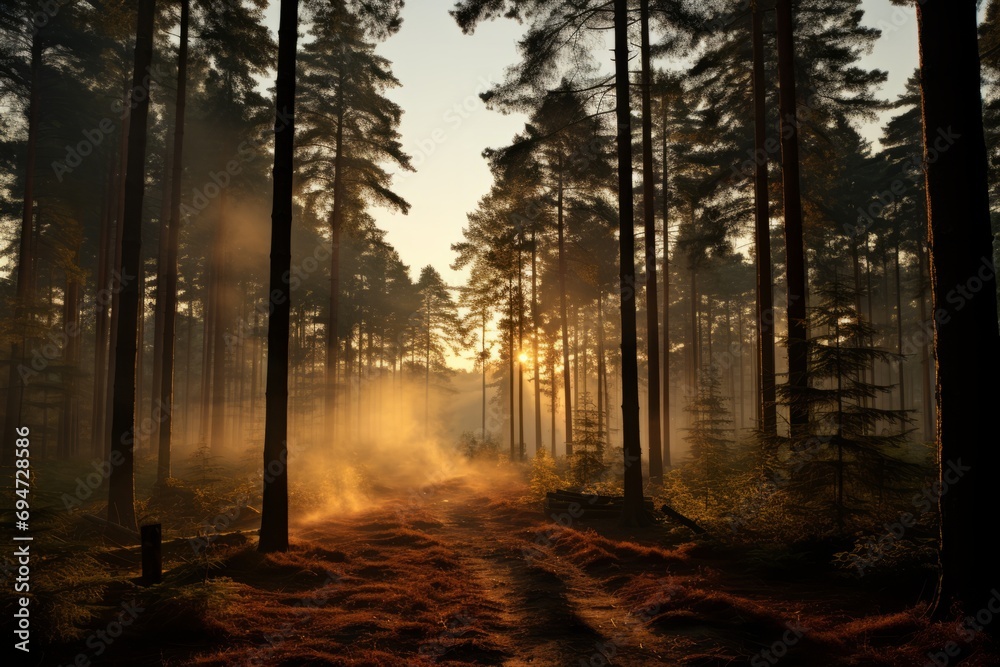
453	573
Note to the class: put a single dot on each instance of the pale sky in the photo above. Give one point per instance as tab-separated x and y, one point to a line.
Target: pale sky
445	127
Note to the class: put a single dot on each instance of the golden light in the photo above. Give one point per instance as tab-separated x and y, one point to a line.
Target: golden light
523	357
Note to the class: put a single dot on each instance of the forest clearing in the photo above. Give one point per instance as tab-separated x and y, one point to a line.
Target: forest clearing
504	332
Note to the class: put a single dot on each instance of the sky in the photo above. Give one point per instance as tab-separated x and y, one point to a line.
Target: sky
445	126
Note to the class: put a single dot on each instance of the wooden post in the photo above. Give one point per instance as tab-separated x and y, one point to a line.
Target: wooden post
152	554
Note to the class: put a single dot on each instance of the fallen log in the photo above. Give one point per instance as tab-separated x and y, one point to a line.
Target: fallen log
113	531
681	519
588	498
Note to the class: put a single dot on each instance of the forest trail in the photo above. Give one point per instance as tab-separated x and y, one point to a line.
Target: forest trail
453	575
463	572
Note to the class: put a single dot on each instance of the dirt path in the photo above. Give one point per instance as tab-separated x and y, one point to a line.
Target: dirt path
452	574
442	575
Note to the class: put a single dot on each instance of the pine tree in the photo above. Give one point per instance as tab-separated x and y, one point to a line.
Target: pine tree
849	462
710	437
274	507
588	464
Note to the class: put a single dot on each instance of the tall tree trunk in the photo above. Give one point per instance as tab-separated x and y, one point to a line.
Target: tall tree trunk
483	361
899	336
926	361
649	220
68	442
15	381
336	220
795	266
510	364
220	309
205	397
563	315
695	373
155	399
967	345
536	362
169	278
121	479
520	346
601	389
117	277
767	409
665	374
98	427
633	512
274	510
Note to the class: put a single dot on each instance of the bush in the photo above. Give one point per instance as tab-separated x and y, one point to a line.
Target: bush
473	445
544	476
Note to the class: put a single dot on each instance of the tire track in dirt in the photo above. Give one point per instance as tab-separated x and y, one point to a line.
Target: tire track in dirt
554	612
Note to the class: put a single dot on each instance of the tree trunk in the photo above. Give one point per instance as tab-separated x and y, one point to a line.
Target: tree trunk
563	316
633	511
665	374
926	361
767	412
117	277
510	366
899	336
102	322
520	346
121	479
795	267
649	220
336	220
483	361
169	284
536	362
274	509
967	342
155	399
68	443
220	298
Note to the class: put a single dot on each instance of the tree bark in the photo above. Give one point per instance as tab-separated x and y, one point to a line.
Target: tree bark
967	341
274	509
767	414
336	223
633	511
169	278
795	268
121	479
665	355
536	362
220	298
649	220
563	315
